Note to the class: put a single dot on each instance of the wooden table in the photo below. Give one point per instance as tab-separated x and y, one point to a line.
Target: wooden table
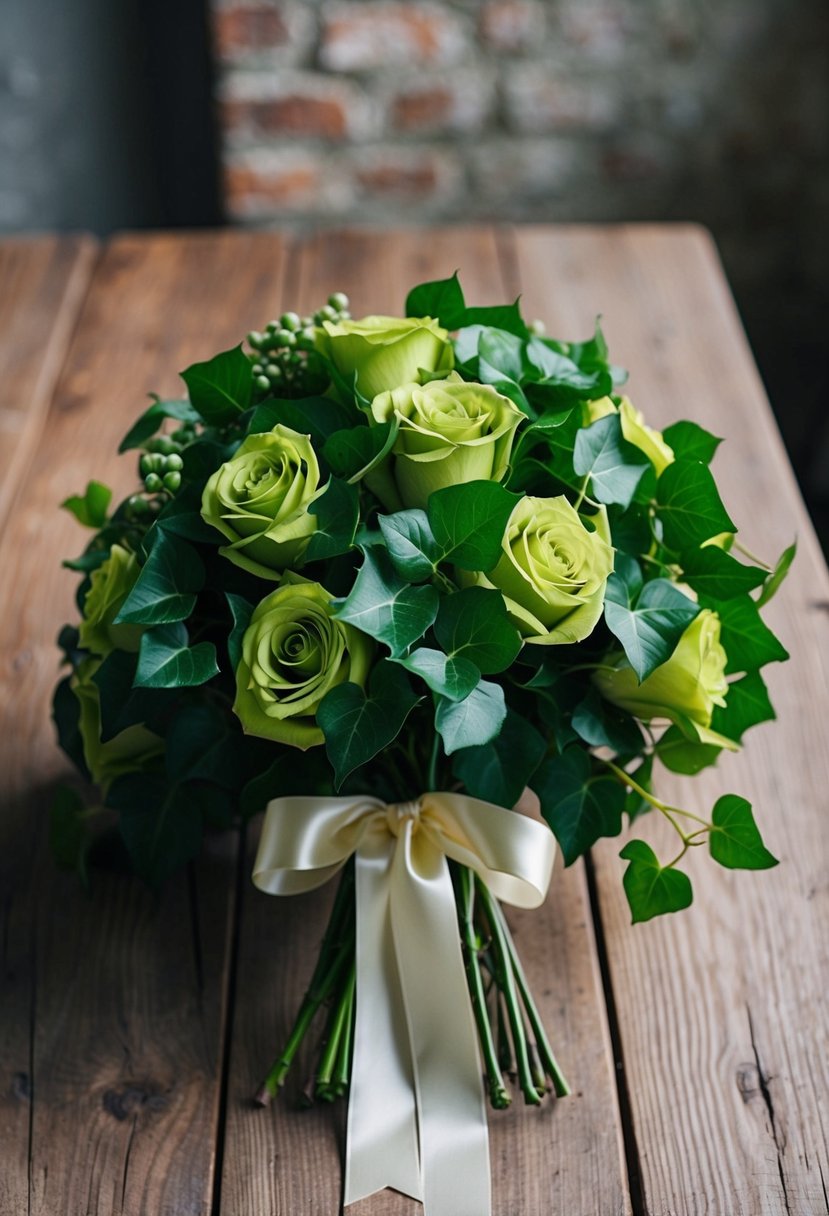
133	1026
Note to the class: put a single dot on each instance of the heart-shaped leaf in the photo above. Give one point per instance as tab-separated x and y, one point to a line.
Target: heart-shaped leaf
358	724
652	889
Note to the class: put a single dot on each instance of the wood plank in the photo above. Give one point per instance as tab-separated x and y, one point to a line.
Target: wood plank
42	284
113	1004
723	1012
566	1157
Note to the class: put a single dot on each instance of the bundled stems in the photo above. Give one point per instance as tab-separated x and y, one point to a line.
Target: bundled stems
465	889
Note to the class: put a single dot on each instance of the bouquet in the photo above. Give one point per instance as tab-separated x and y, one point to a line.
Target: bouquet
380	577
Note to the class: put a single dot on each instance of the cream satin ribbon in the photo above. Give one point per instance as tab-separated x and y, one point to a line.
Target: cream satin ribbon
416	1114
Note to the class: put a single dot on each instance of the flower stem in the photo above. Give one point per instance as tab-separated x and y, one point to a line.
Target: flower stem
542	1043
506	982
340	1016
342	1070
498	1093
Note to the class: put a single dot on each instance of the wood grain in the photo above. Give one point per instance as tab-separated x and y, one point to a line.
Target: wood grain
566	1158
723	1012
114	1003
42	284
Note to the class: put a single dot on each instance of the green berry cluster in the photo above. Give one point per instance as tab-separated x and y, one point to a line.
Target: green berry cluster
161	465
283	351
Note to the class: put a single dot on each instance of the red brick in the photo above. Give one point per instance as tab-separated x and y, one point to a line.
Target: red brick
290	105
537	100
250	192
599	28
362	36
511	25
449	103
406	175
264	30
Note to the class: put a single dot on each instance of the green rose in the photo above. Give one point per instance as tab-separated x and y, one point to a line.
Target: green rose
293	652
634	429
385	351
131	751
553	570
684	689
259	500
109	587
450	432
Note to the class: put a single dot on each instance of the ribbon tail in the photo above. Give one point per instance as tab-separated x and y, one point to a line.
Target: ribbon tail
382	1142
454	1146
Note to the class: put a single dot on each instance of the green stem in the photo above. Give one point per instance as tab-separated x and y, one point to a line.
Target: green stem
432	773
338	1019
342	1071
548	1060
336	951
667	810
582	492
752	557
506	982
465	898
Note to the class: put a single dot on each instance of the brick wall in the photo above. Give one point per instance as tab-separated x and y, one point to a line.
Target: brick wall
389	111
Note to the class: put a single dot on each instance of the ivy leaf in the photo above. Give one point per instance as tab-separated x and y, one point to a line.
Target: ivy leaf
452	676
441	299
241	611
652	889
355	451
152	418
182	516
220	389
68	834
122	704
688	441
166	588
292	773
357	725
474	625
746	705
689	506
412	548
500	770
166	661
385	606
317	417
90	508
66	713
503	352
475	720
681	755
160	824
562	380
203	744
747	640
777	575
615	467
338	513
735	841
468	522
601	724
650	631
710	571
579	804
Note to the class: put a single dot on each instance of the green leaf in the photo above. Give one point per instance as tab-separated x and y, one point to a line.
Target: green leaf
497	316
292	772
441	299
652	889
475	720
746	705
166	661
318	417
474	624
747	640
338	513
66	713
241	611
451	676
149	422
689	506
681	755
713	573
90	508
503	352
220	389
579	804
690	442
412	548
182	516
615	467
385	606
468	522
500	770
601	724
735	841
650	630
160	824
357	725
167	585
122	704
777	575
68	835
354	452
204	744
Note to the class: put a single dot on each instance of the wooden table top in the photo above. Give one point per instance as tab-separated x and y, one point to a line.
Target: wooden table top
134	1026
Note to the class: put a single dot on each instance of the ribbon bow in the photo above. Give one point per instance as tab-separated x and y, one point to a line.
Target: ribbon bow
416	1114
